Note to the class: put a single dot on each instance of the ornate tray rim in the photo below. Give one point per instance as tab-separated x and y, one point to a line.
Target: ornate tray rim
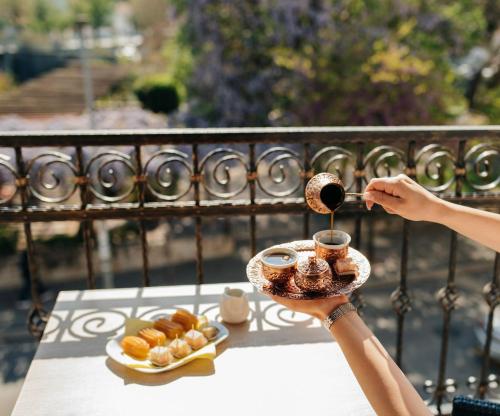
255	277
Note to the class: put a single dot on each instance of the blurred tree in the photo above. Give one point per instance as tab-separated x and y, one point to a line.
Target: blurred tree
153	22
44	16
486	76
156	93
151	16
14	13
98	12
282	62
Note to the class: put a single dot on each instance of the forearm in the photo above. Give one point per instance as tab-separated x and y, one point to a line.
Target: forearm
478	225
384	384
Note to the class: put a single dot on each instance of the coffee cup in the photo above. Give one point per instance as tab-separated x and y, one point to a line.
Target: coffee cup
331	245
278	264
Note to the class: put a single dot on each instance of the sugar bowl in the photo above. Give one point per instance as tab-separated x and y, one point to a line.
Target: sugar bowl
313	274
279	264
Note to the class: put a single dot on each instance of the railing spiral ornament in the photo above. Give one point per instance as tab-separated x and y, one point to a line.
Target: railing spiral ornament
384	161
279	172
337	160
482	167
436	167
8	176
51	177
166	171
224	173
111	175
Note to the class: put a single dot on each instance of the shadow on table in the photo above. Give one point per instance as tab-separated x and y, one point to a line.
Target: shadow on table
196	368
82	322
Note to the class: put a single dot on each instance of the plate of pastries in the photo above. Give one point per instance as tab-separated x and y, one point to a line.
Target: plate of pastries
300	270
166	343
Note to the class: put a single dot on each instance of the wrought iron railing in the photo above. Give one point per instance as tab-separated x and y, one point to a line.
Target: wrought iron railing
141	175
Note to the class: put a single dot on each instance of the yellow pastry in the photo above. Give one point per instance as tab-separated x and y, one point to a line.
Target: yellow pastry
202	322
135	347
152	336
169	328
185	318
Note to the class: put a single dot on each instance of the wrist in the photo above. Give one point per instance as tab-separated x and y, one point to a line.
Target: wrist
337	314
328	306
441	211
438	210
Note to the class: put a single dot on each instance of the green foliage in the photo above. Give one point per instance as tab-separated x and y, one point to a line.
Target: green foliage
362	62
97	12
125	233
488	103
179	65
8	240
13	13
45	17
6	82
153	14
63	241
156	93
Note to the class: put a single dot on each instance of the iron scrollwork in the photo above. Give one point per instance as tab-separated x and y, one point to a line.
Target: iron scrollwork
384	161
8	176
51	177
272	177
164	177
337	160
436	167
219	173
111	175
483	167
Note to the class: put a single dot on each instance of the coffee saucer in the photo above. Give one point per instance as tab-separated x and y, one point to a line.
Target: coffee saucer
305	249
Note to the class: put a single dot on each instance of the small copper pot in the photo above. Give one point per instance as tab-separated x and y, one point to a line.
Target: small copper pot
279	273
314	190
313	275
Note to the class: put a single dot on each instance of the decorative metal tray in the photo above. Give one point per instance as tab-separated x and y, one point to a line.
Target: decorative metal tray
305	248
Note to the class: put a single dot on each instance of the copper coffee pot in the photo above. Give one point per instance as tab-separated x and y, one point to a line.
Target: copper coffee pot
325	193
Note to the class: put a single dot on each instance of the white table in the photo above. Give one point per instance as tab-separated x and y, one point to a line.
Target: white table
278	363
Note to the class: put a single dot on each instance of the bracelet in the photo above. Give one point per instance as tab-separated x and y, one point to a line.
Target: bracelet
338	313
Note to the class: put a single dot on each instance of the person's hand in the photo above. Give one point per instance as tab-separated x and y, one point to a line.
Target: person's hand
403	196
319	308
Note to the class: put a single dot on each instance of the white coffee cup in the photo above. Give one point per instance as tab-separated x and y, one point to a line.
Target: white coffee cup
234	306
